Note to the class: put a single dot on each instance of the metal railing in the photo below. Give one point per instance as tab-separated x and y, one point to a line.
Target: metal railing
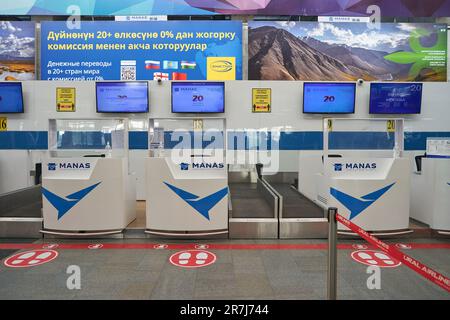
332	255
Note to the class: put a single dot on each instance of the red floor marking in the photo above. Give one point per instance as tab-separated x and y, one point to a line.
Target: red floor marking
30	258
375	258
212	246
192	258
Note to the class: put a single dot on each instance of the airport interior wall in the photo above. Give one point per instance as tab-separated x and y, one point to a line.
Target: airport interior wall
25	142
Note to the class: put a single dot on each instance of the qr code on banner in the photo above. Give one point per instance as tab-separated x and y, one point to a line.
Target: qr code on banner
127	73
128	70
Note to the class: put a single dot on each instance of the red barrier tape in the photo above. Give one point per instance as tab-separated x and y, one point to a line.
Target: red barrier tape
410	262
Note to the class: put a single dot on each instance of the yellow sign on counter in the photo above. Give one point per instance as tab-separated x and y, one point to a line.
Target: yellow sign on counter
65	99
261	99
198	124
3	124
330	125
390	126
221	68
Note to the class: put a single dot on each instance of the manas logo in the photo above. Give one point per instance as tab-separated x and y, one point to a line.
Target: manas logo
221	66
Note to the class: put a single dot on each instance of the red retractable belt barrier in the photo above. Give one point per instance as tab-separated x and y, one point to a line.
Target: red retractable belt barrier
410	262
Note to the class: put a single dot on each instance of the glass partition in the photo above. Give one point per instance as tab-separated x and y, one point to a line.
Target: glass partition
84	137
186	139
377	137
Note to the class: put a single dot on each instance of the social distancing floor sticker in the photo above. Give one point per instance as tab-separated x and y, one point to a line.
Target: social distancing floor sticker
30	258
374	258
192	258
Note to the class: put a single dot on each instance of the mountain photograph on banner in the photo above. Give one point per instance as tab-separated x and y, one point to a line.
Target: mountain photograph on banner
329	51
17	50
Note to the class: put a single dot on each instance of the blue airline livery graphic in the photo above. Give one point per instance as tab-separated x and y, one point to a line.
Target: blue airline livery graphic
355	205
202	205
63	205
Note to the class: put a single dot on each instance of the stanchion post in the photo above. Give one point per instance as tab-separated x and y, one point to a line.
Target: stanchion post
332	254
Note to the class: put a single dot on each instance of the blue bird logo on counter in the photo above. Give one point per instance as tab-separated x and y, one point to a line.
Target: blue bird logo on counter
202	205
355	205
184	166
63	205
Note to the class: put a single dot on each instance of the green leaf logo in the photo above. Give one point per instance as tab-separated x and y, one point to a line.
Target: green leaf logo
421	57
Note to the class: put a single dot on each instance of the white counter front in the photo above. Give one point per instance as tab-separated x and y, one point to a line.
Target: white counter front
87	194
431	193
371	192
186	197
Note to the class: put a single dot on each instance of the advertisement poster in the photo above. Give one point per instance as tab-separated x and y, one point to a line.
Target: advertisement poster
324	51
65	99
261	99
149	50
390	8
17	50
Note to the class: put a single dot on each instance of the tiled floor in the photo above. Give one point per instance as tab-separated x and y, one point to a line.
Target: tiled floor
237	274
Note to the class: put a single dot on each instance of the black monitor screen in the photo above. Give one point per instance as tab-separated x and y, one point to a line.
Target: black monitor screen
11	98
122	97
198	97
395	98
332	97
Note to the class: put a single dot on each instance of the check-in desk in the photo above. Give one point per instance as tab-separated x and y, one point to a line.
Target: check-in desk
87	188
371	192
186	199
431	188
93	195
187	186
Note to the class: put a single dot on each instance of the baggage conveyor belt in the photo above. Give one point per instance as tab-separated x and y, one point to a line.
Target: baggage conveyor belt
296	205
248	202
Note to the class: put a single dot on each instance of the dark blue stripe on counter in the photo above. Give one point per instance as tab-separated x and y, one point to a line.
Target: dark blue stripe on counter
237	140
172	139
23	140
301	140
83	140
346	140
418	140
138	140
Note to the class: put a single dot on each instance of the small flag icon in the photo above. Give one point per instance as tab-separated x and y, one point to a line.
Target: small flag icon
161	76
152	64
188	65
179	76
167	64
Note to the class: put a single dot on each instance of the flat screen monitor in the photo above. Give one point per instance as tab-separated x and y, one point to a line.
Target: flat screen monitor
122	97
395	98
329	97
198	97
11	98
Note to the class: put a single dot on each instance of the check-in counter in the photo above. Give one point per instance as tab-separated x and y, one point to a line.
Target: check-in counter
89	195
87	187
431	187
186	178
371	192
187	199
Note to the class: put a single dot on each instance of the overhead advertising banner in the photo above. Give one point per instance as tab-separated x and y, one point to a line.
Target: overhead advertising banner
17	50
324	51
388	8
165	50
